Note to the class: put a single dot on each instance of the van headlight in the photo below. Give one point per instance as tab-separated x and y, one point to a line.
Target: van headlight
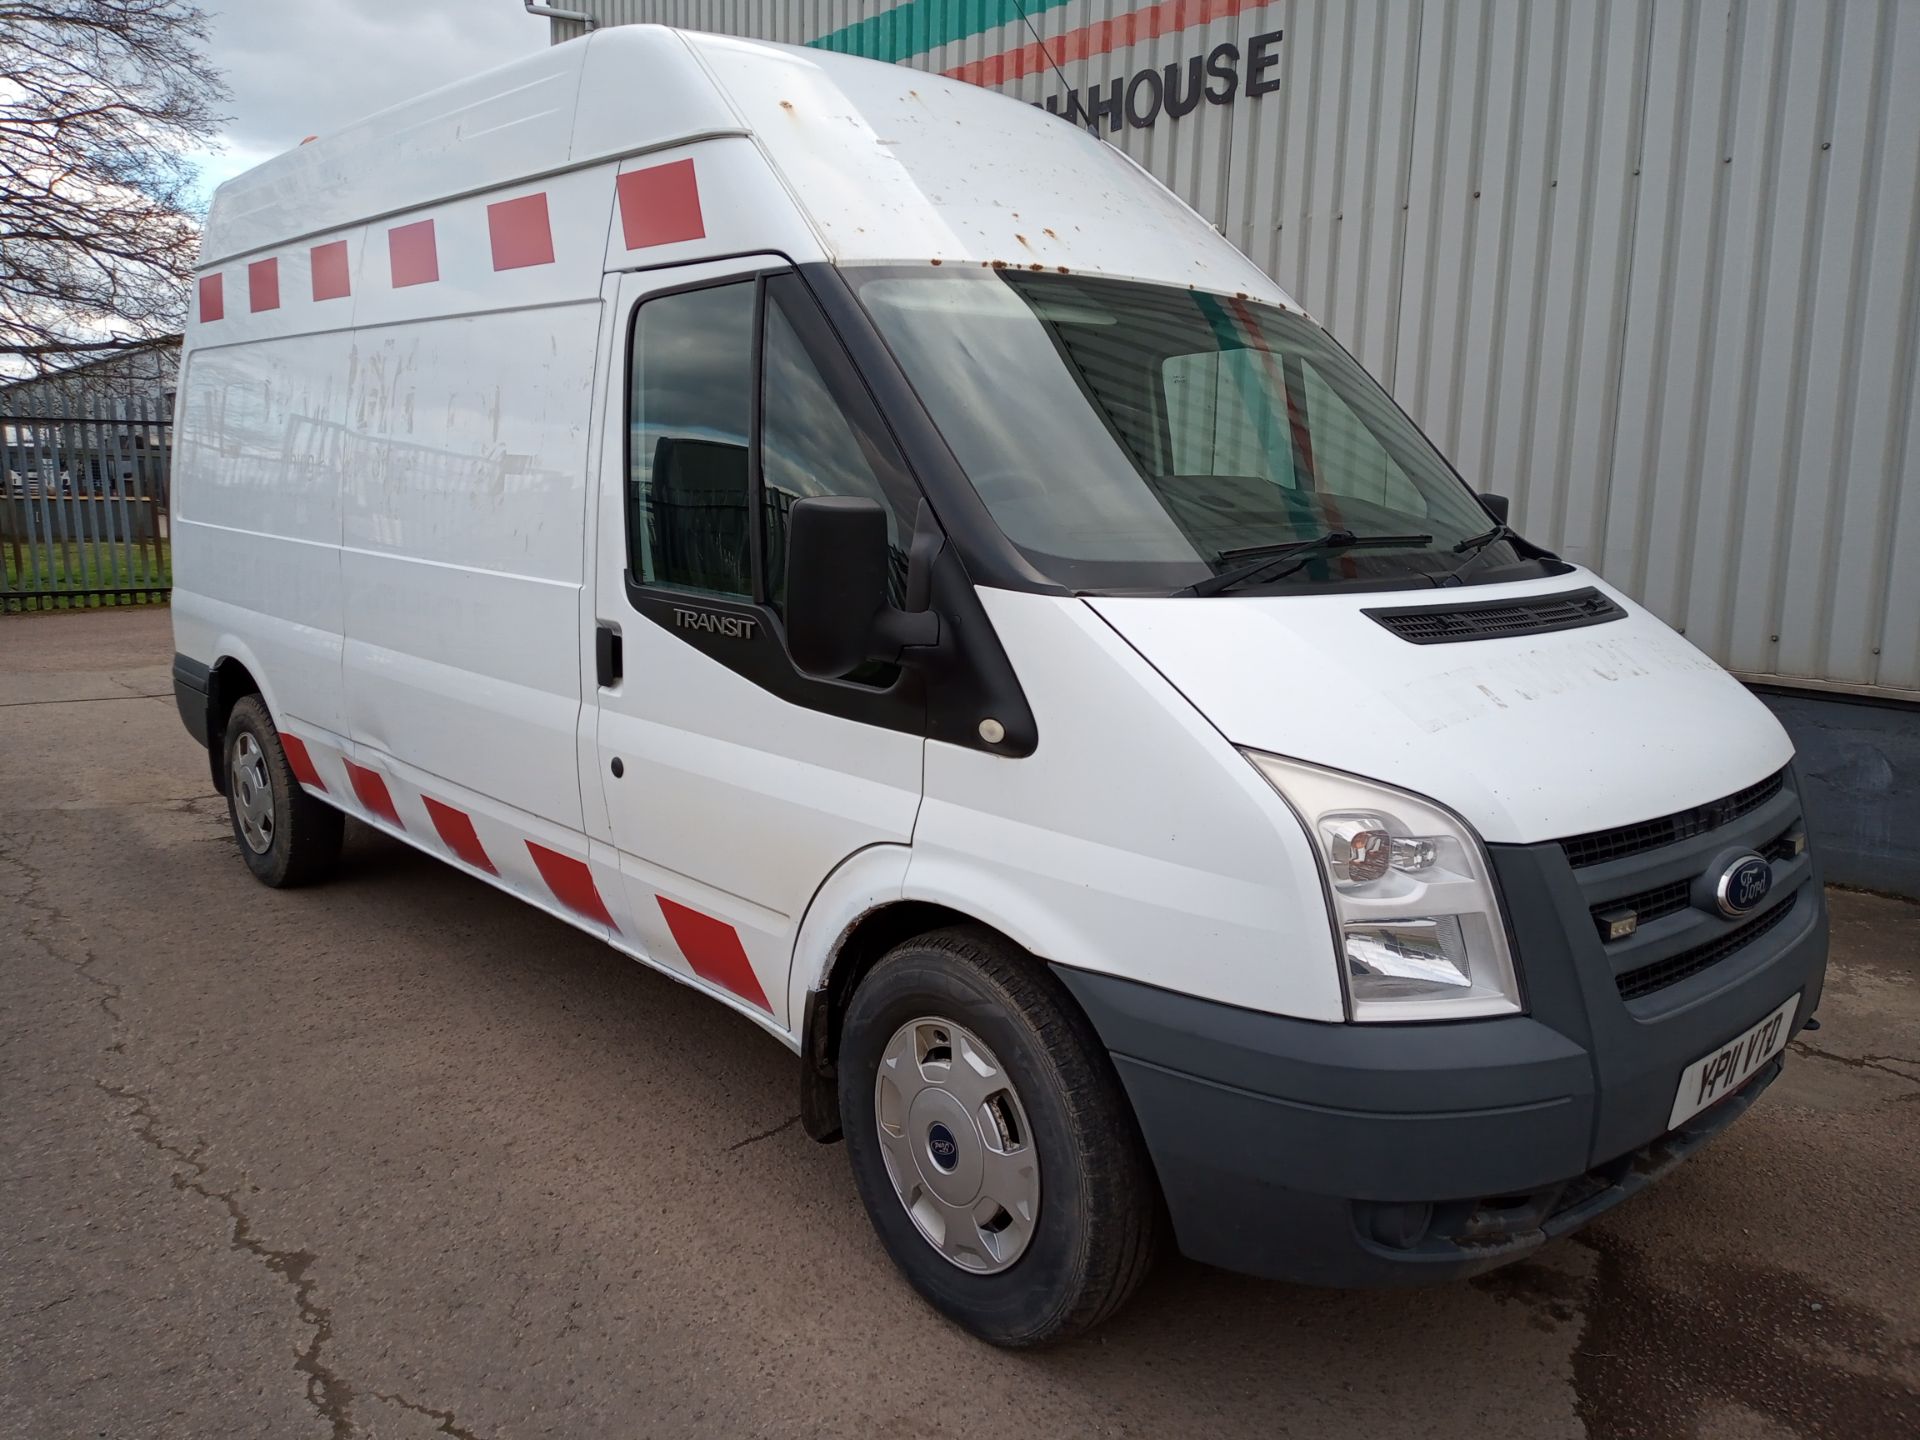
1415	915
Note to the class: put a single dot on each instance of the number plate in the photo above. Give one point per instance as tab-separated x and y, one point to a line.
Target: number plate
1719	1073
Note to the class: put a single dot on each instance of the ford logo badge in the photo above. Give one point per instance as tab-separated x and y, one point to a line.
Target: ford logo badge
1742	885
941	1145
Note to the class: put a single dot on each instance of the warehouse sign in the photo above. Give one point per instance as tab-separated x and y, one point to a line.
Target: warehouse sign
914	30
1177	89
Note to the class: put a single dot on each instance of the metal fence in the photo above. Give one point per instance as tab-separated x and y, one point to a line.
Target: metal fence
83	504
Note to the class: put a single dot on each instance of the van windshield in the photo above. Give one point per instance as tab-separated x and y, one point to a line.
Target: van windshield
1141	437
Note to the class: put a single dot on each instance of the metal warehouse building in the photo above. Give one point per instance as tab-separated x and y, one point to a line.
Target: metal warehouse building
1652	269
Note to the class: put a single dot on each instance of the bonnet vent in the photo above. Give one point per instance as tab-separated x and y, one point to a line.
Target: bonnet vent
1491	619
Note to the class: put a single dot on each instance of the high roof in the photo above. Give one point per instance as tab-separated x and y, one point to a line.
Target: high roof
886	163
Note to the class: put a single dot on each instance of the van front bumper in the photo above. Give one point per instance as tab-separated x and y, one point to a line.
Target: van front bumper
1366	1155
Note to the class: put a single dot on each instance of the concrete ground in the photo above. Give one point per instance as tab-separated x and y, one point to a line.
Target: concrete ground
399	1156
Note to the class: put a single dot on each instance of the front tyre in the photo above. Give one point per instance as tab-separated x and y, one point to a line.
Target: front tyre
991	1143
285	835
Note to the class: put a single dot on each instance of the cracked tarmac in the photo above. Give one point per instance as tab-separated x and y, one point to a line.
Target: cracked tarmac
399	1156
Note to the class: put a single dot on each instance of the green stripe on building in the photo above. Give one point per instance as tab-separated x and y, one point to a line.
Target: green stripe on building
917	26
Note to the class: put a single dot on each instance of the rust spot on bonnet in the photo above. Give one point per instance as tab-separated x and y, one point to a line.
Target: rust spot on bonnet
1022	239
1049	234
998	264
787	105
936	259
1062	269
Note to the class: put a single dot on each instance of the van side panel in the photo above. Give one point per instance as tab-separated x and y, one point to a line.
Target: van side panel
256	524
460	138
469	390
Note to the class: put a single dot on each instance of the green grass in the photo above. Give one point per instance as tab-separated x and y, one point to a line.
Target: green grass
59	576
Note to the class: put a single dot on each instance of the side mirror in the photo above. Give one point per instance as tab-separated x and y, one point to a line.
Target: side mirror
1497	506
838	613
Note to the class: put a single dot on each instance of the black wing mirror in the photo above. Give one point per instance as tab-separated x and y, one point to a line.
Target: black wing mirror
1497	506
838	613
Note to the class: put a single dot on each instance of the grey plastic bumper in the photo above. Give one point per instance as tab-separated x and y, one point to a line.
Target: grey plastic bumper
190	682
1382	1155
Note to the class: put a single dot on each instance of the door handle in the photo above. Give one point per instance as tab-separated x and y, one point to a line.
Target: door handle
607	656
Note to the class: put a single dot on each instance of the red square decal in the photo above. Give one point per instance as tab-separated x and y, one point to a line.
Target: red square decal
520	232
660	206
330	271
213	303
411	253
263	285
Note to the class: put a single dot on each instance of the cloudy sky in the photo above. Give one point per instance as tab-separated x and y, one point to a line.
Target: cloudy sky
305	67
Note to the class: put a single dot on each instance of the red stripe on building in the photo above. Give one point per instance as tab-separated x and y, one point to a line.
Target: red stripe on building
1146	23
412	255
456	832
1287	377
1282	376
520	232
263	285
300	762
213	302
571	883
713	949
660	205
372	791
330	271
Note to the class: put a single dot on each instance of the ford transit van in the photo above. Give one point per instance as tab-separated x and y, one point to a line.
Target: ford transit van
860	546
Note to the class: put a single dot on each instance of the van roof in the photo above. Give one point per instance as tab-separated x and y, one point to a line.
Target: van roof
886	163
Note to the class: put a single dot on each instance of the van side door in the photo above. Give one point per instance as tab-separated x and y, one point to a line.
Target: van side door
733	784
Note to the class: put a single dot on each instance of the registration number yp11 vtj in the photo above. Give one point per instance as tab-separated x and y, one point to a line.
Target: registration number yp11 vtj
1717	1074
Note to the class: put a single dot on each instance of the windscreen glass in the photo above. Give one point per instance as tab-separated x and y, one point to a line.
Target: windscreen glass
1140	437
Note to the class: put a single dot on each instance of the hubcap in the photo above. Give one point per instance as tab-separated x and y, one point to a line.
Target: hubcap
252	794
957	1144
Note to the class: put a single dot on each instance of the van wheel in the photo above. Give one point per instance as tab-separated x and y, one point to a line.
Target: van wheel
991	1142
285	835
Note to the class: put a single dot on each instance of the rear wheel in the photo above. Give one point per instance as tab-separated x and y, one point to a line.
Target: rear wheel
991	1143
285	835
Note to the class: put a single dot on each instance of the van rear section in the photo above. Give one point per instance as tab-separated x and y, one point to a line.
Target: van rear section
860	547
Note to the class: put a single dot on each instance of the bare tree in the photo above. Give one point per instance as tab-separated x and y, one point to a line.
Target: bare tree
100	103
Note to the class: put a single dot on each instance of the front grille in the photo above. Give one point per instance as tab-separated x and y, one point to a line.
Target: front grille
1601	846
1782	846
1675	968
1492	619
1647	905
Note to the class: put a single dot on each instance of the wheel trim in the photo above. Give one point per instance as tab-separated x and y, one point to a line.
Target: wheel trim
252	794
940	1089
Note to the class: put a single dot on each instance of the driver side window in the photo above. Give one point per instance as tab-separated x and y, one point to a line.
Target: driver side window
703	469
688	441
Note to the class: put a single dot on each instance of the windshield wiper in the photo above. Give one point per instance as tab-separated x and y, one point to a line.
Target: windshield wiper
1471	547
1475	543
1270	561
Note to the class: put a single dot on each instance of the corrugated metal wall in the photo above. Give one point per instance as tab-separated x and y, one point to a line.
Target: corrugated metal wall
1652	267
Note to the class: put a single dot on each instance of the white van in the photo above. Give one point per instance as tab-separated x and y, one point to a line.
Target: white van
859	545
